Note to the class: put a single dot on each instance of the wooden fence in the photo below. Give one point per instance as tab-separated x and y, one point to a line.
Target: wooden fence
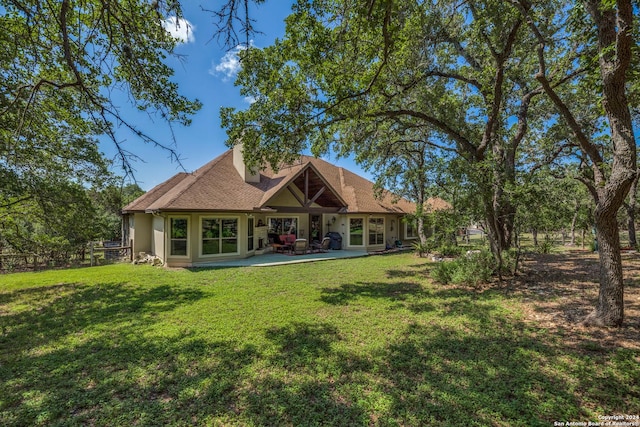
112	251
109	251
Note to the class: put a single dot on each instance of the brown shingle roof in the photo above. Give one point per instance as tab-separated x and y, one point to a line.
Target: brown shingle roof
217	186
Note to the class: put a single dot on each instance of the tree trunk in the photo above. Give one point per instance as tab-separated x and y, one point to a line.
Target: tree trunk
631	214
420	200
574	220
615	27
615	40
631	225
421	233
500	230
534	233
609	310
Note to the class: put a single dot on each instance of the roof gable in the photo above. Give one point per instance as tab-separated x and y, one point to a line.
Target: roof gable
310	183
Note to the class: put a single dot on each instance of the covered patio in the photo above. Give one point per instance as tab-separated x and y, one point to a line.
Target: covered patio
270	259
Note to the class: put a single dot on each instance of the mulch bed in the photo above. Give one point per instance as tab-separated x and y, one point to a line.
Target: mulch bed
558	291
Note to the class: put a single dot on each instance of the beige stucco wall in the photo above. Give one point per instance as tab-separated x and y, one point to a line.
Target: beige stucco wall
157	237
285	198
160	229
141	233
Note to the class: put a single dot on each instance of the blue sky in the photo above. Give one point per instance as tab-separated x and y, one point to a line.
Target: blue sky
206	71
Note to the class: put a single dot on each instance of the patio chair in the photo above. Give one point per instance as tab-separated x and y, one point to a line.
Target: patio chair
284	242
300	246
322	247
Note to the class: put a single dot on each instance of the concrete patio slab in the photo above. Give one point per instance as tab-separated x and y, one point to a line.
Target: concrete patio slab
271	259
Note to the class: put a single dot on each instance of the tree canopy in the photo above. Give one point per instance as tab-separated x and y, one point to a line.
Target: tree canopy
349	76
65	67
505	86
62	63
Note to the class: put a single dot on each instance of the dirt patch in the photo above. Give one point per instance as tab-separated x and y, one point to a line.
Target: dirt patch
559	290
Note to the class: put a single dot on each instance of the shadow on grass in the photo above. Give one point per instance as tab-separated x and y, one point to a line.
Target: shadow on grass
299	389
56	311
66	351
457	359
302	343
450	378
395	291
564	288
138	381
496	374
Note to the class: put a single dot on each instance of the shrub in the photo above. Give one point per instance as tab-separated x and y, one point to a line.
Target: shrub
509	259
424	248
546	246
472	269
443	272
475	268
449	249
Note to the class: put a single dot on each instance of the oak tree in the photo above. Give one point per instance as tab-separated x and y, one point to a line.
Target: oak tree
599	37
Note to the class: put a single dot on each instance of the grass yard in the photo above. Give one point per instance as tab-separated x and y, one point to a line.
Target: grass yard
367	341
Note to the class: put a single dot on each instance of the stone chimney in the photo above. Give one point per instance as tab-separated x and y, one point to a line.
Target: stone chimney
238	162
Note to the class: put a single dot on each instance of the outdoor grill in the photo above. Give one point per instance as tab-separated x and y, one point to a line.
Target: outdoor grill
336	240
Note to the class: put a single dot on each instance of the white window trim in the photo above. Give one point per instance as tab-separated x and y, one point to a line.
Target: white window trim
384	230
201	255
365	231
188	218
415	228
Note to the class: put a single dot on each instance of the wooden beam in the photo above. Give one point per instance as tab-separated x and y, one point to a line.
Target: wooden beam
306	187
296	196
314	198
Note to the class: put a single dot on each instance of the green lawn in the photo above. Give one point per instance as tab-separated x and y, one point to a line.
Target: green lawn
368	341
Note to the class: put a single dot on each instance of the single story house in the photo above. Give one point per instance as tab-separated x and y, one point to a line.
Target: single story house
223	210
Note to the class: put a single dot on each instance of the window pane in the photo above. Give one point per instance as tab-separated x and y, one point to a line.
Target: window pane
289	225
229	228
283	225
178	247
411	229
376	231
179	228
229	246
275	226
210	247
210	228
355	231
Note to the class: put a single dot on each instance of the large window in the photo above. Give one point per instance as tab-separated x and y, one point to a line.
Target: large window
283	225
356	231
219	236
376	231
179	236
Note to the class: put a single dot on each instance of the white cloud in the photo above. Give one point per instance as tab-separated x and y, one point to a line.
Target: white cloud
180	29
249	99
229	64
